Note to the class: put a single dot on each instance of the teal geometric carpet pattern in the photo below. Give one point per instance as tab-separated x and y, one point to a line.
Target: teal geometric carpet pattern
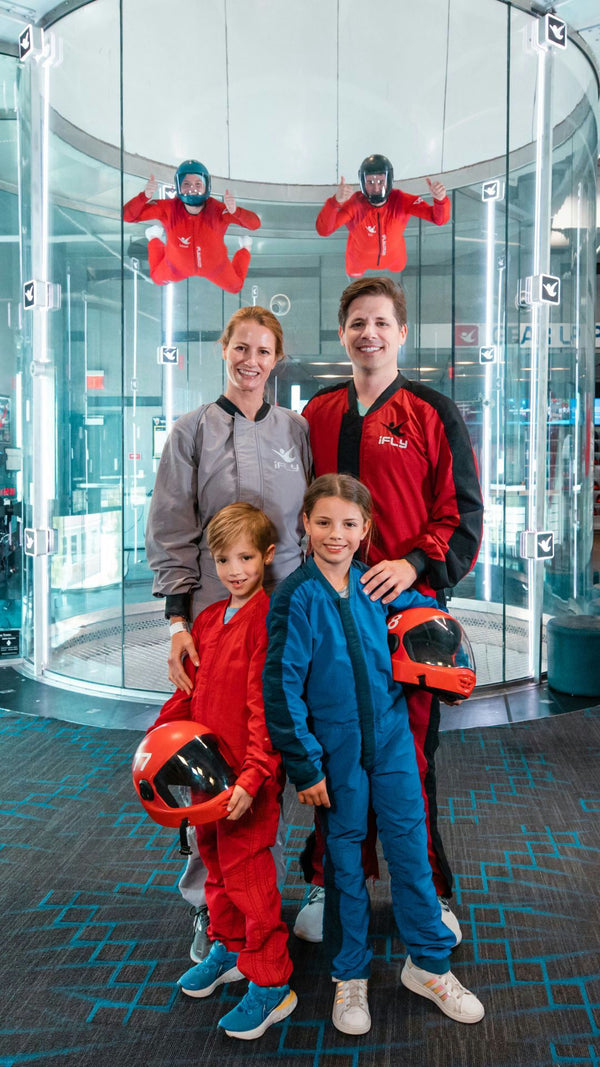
95	934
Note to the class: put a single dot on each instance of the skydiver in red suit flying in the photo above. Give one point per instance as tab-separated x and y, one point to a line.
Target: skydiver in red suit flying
189	242
376	217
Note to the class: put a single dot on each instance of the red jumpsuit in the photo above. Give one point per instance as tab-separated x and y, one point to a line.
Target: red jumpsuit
376	237
412	449
195	245
241	885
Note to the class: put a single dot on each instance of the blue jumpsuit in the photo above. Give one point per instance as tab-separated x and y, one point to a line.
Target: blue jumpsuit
333	710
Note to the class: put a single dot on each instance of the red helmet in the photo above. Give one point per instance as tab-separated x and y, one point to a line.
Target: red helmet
430	649
182	755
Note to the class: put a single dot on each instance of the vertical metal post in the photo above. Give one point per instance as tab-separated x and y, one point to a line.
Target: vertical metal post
134	429
168	297
43	421
580	385
538	413
487	445
499	389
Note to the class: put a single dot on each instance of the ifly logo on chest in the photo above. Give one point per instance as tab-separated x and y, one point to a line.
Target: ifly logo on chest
286	459
385	440
394	437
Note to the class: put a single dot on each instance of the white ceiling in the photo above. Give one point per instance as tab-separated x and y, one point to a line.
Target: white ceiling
260	116
581	15
259	121
13	16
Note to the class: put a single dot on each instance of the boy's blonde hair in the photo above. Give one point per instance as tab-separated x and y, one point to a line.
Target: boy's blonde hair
240	520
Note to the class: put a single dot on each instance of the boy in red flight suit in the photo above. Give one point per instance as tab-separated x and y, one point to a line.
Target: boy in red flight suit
248	934
190	241
377	217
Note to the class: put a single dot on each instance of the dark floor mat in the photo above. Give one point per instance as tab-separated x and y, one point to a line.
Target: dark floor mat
94	932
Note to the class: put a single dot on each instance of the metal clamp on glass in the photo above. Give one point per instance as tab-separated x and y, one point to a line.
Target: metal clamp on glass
38	542
44	295
538	289
536	544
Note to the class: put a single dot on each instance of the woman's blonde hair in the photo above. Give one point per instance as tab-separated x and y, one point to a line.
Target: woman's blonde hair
263	318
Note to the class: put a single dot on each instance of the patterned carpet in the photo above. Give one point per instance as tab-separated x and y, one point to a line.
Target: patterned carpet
94	932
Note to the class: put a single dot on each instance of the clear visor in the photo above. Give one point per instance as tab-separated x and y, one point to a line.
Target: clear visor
193	184
376	186
376	183
198	767
440	642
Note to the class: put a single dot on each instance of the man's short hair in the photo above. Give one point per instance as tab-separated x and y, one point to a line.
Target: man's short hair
377	286
240	520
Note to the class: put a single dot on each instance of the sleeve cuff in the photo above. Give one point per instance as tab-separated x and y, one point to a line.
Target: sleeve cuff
250	780
418	560
306	783
178	604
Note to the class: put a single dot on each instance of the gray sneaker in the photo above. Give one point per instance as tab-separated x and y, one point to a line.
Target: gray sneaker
449	919
309	920
201	945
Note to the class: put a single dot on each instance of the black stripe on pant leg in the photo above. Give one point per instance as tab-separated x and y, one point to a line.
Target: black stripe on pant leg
332	924
429	749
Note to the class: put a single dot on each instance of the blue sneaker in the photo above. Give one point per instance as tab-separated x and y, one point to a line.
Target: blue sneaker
218	967
258	1010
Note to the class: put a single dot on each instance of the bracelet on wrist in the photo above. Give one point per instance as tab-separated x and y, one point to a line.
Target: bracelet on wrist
178	628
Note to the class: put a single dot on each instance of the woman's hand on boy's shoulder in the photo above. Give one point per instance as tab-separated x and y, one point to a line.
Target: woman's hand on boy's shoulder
316	795
239	803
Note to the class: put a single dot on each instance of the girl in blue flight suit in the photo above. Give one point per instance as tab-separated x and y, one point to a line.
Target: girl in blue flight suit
341	723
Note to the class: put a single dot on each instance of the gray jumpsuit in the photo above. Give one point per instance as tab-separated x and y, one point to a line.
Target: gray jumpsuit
215	456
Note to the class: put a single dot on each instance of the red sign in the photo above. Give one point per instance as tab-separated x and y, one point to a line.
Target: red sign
94	380
466	334
135	455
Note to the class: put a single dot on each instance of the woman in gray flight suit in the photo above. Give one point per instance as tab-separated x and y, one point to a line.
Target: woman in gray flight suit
236	448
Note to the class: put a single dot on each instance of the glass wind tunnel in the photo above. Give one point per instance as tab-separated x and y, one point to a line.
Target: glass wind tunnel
505	119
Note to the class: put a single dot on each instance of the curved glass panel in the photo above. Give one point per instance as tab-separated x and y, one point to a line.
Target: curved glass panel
11	377
105	391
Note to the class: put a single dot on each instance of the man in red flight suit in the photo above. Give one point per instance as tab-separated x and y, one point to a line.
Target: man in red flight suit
377	217
410	446
190	241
